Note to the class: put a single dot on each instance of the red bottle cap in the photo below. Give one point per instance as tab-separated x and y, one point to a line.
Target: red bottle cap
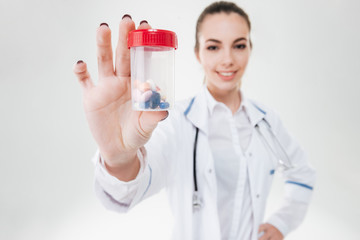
152	37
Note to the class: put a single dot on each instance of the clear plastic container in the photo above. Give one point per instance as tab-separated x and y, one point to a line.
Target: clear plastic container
152	54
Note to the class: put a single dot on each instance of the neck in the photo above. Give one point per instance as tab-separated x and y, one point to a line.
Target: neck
231	98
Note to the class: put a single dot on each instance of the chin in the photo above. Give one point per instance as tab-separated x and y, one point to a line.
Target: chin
227	86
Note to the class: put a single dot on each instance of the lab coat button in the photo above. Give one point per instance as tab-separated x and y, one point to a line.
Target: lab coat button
257	195
250	154
210	170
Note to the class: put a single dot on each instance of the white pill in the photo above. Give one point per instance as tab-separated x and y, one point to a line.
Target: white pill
137	95
152	84
145	96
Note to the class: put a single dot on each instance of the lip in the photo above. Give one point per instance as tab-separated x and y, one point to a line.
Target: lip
226	78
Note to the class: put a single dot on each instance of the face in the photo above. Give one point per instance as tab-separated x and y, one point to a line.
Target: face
224	50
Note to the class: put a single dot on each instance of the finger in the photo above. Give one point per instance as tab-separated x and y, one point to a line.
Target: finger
104	51
144	25
81	72
262	228
149	120
266	236
275	234
122	59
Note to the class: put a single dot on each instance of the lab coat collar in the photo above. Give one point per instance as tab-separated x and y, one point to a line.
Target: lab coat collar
199	108
210	100
197	111
255	113
212	103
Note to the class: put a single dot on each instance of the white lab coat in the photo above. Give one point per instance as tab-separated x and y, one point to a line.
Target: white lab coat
169	163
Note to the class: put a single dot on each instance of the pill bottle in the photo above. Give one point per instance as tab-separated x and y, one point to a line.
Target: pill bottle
152	53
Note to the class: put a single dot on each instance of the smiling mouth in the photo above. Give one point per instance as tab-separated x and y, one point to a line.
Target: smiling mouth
227	74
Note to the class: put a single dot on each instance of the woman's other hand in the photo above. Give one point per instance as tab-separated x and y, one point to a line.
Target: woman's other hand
270	232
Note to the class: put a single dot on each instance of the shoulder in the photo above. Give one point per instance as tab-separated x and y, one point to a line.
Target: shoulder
271	116
264	108
183	106
177	114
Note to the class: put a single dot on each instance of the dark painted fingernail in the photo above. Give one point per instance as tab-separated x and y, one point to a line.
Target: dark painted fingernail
165	117
104	24
80	61
126	16
143	21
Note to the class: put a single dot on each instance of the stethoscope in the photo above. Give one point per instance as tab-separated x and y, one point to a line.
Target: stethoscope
277	150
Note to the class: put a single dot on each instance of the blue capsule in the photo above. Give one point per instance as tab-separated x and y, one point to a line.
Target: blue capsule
155	100
164	105
145	105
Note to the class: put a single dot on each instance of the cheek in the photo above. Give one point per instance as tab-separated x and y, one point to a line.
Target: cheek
209	66
243	59
208	62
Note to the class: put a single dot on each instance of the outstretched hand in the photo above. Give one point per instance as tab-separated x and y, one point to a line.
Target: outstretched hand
117	129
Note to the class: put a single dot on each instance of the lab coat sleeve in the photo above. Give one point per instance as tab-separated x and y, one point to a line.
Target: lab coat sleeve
299	183
155	169
114	194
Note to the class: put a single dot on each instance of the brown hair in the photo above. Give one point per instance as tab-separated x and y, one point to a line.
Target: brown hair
219	7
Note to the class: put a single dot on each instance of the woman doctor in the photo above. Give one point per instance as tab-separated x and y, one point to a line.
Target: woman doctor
216	153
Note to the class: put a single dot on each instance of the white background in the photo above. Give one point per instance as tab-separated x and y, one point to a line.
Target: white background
305	64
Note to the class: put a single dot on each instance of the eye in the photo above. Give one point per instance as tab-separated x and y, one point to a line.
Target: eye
240	46
212	48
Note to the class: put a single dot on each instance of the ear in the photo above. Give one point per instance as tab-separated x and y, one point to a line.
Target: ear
196	51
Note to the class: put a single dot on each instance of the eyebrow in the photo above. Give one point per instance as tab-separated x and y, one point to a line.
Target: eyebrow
218	41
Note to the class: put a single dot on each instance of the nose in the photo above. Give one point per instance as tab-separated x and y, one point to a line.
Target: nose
227	58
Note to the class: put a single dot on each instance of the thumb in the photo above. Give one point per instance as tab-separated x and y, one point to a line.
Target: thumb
149	120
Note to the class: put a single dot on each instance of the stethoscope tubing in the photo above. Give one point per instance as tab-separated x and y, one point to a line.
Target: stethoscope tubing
283	161
194	159
285	164
196	198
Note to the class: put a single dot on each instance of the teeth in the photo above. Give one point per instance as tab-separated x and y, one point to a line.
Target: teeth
226	74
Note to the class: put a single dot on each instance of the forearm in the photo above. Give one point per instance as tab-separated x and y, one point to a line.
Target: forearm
289	216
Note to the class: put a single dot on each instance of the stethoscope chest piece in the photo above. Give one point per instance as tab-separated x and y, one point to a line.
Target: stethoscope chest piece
197	203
